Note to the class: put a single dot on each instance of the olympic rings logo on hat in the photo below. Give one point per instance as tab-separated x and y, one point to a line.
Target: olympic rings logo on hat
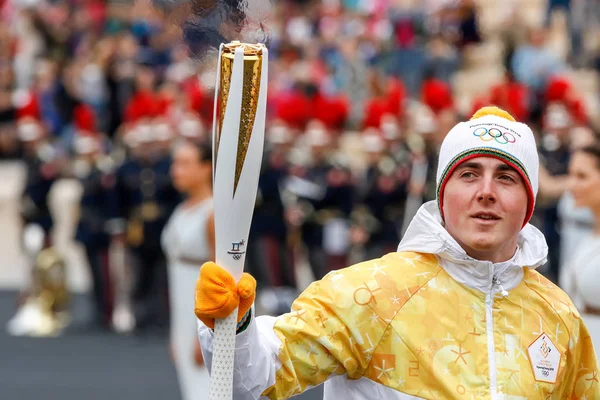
496	134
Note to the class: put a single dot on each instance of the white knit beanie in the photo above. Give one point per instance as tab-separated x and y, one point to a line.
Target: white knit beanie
491	132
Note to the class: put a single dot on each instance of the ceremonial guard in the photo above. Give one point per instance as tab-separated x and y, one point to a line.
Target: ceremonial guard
325	199
96	172
146	199
43	168
383	191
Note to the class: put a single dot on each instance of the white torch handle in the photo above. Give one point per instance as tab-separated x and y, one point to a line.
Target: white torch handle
221	376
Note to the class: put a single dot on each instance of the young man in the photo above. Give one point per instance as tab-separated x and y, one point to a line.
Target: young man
458	312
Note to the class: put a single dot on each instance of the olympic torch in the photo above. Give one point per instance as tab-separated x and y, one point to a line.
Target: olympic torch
238	139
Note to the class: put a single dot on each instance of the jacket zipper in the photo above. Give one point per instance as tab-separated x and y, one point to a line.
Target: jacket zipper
489	324
496	281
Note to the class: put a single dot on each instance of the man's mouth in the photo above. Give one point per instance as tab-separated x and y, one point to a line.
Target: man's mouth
486	216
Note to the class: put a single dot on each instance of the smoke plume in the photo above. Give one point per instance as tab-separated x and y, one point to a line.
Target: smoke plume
208	23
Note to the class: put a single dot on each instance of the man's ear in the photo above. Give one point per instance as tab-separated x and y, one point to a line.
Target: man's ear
443	222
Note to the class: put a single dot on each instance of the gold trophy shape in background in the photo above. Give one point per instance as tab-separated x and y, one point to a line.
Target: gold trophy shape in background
45	311
238	140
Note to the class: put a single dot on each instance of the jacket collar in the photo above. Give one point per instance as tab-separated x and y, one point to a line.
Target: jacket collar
426	234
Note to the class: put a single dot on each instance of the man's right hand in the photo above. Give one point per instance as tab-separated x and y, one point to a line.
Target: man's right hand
217	294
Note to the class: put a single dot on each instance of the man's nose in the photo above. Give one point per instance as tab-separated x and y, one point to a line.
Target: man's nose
487	191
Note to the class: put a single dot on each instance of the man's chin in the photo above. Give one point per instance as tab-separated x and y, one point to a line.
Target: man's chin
483	243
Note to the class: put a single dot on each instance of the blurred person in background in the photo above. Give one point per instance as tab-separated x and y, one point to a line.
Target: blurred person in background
331	110
387	97
425	126
442	58
380	207
92	86
70	108
44	166
293	106
325	193
533	63
188	240
584	266
436	94
512	96
146	200
575	17
43	88
144	102
576	222
121	73
409	34
396	140
555	152
561	91
351	74
96	173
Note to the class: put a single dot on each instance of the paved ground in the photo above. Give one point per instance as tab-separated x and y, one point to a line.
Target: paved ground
87	365
83	364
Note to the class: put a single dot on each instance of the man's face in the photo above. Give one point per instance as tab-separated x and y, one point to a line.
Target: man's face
485	204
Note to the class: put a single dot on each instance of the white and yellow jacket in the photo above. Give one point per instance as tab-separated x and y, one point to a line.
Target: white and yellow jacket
426	322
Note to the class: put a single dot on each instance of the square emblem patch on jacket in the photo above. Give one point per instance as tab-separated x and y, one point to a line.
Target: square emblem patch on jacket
544	358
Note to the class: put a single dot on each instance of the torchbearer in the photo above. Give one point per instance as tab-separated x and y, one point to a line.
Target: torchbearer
458	312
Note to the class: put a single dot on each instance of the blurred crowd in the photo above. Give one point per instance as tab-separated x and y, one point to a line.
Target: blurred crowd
360	97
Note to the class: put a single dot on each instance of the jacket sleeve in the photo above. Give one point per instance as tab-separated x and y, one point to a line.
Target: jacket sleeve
331	330
582	374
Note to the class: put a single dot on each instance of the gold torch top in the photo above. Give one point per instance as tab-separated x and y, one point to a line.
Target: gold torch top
249	48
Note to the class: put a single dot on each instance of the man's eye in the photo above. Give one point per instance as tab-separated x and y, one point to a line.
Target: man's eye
507	178
467	175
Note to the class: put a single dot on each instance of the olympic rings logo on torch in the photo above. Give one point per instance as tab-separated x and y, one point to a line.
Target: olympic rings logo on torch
496	134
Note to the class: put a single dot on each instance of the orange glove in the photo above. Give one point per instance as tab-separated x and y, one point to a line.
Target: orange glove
217	294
